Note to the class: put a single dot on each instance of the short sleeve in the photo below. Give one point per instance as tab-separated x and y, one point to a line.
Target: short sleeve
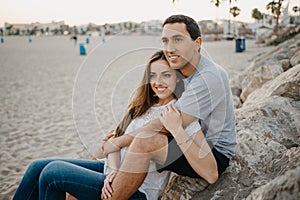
201	95
192	128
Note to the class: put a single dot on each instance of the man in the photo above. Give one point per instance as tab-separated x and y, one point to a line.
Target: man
207	98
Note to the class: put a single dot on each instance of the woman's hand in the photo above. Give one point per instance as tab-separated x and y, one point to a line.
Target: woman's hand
100	152
107	189
109	147
170	117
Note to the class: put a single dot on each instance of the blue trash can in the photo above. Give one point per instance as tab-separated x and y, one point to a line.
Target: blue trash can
82	49
243	43
87	40
2	40
240	44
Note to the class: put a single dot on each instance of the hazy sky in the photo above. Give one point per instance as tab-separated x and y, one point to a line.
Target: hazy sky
76	12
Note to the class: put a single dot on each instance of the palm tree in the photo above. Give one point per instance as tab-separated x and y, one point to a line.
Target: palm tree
217	4
256	14
296	9
275	7
235	11
230	1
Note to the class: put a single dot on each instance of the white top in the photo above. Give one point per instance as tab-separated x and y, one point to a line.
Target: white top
154	182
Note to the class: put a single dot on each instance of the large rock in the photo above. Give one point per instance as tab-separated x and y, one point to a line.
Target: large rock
282	187
258	77
239	179
183	188
286	85
267	66
268	146
295	60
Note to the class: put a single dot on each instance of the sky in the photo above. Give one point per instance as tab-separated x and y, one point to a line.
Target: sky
76	12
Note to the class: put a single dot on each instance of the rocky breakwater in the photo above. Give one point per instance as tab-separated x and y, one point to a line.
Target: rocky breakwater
267	160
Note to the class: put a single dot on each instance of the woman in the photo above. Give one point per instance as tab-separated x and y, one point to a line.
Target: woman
83	179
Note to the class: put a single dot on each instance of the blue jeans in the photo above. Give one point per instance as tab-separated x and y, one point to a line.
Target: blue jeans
50	179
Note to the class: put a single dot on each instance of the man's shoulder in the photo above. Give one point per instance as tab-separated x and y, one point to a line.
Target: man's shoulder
207	67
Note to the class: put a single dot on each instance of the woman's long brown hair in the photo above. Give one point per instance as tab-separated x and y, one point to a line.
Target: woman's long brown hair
145	97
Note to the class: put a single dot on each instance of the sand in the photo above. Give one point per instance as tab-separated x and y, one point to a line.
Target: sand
57	103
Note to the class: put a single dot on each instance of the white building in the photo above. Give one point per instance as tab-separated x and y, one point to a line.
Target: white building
37	28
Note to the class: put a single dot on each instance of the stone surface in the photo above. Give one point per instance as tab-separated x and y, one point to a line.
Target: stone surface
295	60
283	187
286	85
258	77
183	188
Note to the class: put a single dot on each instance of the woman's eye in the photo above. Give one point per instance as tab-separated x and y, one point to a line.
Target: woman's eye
167	75
152	75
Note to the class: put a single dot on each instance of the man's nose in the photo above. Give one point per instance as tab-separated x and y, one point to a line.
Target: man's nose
170	47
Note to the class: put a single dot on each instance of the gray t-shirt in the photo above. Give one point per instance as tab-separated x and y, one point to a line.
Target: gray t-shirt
208	97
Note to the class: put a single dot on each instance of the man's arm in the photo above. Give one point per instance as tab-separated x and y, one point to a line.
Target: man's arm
198	154
195	148
113	162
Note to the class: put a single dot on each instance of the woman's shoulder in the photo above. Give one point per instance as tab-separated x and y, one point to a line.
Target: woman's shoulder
157	107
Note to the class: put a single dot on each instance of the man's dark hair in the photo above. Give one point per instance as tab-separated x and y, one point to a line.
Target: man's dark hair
191	25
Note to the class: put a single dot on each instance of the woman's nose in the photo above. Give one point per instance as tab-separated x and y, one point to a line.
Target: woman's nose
158	80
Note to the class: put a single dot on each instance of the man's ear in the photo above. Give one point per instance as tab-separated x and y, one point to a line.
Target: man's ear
199	40
198	43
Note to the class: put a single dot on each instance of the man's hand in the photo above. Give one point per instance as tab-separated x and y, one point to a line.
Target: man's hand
107	189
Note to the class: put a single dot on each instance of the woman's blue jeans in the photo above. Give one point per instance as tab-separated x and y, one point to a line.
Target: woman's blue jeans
50	179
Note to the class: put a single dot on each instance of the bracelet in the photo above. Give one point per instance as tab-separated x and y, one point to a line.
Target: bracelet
185	141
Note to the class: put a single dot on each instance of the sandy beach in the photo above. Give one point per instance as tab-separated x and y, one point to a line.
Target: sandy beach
57	103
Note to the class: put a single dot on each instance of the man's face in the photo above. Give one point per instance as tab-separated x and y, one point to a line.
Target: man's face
178	46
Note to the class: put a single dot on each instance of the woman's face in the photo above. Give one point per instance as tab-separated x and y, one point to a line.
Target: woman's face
163	81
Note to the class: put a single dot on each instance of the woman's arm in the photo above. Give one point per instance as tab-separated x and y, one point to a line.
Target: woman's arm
195	148
115	143
153	126
100	151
